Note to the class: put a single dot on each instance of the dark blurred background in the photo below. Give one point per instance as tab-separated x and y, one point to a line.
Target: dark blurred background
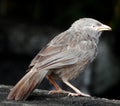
25	27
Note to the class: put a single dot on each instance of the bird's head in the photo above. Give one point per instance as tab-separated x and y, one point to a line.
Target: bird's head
90	26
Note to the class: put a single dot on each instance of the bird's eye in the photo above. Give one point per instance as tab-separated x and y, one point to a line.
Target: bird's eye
93	26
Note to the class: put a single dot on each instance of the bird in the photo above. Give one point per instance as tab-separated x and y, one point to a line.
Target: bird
63	58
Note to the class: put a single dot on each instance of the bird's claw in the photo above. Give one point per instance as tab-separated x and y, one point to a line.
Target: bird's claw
78	94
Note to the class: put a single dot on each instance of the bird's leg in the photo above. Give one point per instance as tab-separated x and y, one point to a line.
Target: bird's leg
58	89
78	92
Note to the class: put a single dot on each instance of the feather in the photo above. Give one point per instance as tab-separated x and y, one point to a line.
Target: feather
27	84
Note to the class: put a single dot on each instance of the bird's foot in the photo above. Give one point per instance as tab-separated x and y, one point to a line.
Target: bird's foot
78	94
67	92
56	92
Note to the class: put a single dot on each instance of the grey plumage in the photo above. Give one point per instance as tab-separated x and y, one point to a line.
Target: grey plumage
63	58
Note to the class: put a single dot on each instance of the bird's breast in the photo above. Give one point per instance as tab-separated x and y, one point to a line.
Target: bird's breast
88	50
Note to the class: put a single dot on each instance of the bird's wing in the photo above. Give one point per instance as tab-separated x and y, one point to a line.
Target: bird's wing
56	46
52	57
57	54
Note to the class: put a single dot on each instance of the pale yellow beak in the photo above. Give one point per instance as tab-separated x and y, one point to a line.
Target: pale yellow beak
103	28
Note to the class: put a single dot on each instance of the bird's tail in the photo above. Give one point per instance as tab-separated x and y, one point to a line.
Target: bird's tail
27	84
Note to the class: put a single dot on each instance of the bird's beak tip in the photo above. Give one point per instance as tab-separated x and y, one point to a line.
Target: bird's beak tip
104	28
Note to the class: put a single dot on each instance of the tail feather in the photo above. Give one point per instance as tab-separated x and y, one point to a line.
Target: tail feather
27	84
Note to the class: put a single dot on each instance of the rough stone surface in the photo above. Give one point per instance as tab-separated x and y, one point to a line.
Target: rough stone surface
42	98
